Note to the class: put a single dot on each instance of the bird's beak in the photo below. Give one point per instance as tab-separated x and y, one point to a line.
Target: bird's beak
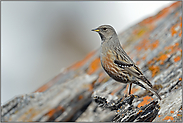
96	30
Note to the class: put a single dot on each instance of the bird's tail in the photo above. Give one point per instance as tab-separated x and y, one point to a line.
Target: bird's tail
145	86
143	78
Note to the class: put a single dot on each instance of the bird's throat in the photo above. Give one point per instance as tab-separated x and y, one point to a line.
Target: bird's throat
102	37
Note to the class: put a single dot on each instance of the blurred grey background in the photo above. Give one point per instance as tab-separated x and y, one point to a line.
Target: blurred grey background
40	38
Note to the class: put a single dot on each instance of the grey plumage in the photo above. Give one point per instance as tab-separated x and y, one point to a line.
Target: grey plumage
117	63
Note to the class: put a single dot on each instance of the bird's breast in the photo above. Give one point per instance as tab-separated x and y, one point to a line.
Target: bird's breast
107	60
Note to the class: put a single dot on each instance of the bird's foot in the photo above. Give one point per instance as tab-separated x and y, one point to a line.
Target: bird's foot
129	95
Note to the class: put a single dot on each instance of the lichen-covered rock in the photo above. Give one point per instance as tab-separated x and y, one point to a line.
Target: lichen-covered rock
154	44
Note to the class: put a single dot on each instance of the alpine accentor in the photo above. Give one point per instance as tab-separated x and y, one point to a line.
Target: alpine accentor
117	63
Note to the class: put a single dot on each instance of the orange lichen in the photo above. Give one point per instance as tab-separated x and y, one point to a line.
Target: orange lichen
175	28
146	100
172	49
24	117
159	115
80	97
148	20
167	51
160	15
178	58
144	57
180	34
90	87
75	66
53	111
94	66
178	115
146	44
61	108
162	58
80	63
154	44
152	61
43	88
174	5
180	79
168	117
155	70
181	24
138	62
49	84
171	112
139	111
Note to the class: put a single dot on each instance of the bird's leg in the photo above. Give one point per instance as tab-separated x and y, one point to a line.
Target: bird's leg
130	89
126	91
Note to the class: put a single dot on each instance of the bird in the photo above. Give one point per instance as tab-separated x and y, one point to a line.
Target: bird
117	64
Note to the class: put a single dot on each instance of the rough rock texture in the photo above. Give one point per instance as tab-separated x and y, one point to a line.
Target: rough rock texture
127	112
154	44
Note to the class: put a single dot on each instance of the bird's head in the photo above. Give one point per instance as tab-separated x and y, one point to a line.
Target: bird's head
105	31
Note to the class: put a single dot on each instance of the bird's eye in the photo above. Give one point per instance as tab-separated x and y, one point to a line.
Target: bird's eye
104	29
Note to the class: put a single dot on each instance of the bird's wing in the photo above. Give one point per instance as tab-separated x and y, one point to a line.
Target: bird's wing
125	62
133	70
